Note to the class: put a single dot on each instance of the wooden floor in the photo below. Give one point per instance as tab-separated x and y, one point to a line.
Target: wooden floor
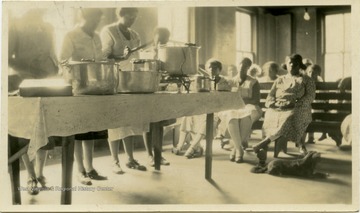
183	182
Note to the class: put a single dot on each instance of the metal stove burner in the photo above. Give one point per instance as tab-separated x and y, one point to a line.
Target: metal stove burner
179	80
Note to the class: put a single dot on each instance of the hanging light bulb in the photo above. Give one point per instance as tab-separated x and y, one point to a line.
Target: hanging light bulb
306	15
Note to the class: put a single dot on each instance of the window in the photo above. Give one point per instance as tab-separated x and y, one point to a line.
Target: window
176	20
337	46
243	36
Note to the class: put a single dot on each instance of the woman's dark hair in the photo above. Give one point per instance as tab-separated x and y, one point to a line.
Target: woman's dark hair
214	62
127	10
246	63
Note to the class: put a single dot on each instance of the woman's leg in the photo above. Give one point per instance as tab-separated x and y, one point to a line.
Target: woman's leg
29	166
129	149
114	150
40	160
195	143
78	154
88	149
182	138
245	125
234	130
32	182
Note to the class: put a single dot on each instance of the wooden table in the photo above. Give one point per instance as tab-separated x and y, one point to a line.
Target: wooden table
37	119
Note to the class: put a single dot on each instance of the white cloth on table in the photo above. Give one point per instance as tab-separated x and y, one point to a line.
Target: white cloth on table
19	127
123	132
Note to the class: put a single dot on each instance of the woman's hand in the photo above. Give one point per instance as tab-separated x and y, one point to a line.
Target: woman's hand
127	52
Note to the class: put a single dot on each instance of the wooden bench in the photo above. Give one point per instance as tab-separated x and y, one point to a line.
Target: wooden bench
330	107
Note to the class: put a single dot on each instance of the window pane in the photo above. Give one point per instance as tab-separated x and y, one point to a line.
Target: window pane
334	32
333	66
176	20
243	32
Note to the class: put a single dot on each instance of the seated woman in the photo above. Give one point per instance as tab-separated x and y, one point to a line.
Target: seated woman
289	107
239	122
196	125
270	72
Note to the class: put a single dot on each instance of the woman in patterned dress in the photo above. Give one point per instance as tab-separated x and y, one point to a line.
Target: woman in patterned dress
289	106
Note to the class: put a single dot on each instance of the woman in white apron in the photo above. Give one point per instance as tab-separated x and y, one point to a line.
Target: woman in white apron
117	39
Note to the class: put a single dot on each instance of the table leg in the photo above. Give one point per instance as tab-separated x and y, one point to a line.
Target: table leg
14	170
209	139
67	167
156	138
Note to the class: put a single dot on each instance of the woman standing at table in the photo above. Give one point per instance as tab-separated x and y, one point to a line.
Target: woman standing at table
84	42
117	40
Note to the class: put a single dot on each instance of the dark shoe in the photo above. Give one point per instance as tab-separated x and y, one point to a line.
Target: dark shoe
95	176
135	165
32	186
84	179
239	159
199	152
189	153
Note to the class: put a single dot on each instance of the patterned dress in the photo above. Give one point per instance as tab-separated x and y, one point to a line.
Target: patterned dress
289	107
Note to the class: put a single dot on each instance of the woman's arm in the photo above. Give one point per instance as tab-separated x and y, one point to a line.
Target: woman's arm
309	95
270	99
255	99
107	42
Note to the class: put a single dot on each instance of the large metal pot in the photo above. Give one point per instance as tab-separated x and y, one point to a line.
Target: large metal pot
145	65
92	78
138	81
179	60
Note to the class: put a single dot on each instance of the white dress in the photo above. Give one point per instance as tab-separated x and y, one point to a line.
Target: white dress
245	91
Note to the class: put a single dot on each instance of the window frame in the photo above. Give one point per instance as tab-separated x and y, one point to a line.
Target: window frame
253	24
